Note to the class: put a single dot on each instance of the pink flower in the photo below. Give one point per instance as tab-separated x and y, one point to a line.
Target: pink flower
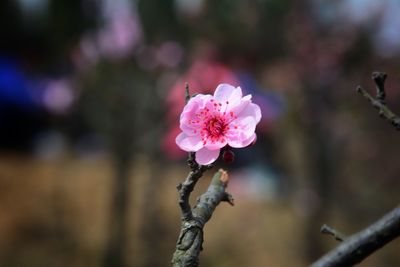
209	123
203	77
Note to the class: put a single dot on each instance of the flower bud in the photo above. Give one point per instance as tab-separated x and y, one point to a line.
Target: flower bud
228	156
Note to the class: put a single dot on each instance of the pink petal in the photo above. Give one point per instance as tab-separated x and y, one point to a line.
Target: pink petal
205	156
196	102
238	143
226	92
189	143
189	123
239	106
244	125
189	129
240	130
251	110
217	144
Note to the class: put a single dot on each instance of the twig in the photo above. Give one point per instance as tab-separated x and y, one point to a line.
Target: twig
187	93
379	101
326	229
190	239
186	188
359	246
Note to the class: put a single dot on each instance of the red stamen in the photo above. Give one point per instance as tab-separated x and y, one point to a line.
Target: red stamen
215	128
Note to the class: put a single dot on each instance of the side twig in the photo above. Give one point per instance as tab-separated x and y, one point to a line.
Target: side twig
379	101
357	247
190	239
326	229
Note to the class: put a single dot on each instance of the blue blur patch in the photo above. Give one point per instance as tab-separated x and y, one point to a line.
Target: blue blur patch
21	117
15	89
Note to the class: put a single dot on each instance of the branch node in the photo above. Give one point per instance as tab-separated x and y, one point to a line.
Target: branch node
396	123
191	161
224	176
179	186
379	79
228	198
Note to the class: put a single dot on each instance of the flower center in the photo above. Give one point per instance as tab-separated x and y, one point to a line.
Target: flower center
215	127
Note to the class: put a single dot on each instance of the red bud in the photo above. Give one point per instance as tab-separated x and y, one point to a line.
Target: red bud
228	156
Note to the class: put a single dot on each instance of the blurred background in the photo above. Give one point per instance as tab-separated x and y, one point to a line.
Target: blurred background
90	97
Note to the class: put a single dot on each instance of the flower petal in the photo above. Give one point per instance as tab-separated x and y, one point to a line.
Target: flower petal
189	143
252	110
205	156
237	107
190	123
240	130
226	92
244	125
196	102
212	145
237	143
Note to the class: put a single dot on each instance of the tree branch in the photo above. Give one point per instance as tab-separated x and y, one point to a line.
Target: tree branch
190	239
379	101
359	246
326	229
188	185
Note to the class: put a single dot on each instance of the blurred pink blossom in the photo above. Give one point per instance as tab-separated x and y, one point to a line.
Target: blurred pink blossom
58	96
209	123
117	38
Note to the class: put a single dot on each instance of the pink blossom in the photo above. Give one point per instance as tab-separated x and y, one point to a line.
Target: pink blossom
209	123
203	77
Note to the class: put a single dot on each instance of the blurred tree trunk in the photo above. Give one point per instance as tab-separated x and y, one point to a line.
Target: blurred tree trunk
116	242
314	158
153	227
319	166
113	102
315	108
